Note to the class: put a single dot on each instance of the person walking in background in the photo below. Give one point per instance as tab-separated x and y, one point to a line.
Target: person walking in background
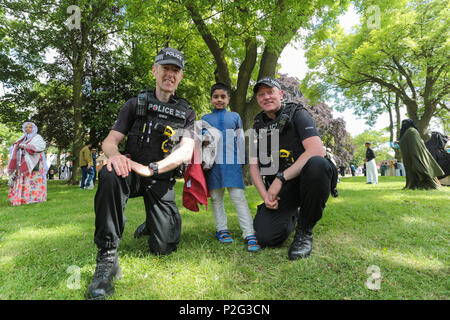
86	163
391	171
401	168
397	168
94	166
371	165
228	174
342	170
436	147
27	168
383	168
51	172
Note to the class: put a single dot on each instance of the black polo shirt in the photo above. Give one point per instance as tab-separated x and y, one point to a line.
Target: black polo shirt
370	154
303	123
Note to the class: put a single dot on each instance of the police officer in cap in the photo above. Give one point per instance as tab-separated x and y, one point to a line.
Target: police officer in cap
147	121
295	191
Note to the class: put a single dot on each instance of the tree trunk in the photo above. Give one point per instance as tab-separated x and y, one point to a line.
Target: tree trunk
78	122
398	154
391	124
238	100
79	48
422	122
398	117
58	161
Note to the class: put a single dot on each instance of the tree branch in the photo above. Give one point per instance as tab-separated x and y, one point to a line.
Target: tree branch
443	106
407	77
213	45
246	69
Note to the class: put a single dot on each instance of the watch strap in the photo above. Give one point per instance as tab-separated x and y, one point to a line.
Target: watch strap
280	175
154	167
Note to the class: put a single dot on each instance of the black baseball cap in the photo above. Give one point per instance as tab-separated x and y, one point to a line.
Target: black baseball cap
268	81
170	56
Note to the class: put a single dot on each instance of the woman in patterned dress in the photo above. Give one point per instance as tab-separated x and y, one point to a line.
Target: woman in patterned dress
27	168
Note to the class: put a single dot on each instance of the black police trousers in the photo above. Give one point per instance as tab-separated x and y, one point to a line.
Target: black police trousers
302	200
163	220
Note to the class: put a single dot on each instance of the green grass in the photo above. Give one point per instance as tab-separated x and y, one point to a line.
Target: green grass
404	233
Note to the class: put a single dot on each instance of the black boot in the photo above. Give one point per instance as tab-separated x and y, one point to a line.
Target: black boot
141	231
301	247
107	270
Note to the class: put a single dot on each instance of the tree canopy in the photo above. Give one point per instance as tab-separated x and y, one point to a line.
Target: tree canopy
246	38
101	54
331	130
396	56
406	53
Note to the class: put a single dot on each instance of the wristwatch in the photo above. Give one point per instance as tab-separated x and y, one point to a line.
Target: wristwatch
280	176
154	167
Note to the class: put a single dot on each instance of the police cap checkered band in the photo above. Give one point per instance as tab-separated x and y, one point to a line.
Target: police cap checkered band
170	56
268	81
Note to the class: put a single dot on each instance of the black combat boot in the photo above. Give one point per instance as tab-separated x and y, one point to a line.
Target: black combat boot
107	270
301	247
141	231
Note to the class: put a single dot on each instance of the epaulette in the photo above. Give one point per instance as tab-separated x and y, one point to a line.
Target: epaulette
183	102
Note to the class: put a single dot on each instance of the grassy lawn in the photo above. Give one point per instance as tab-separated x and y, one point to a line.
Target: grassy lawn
403	233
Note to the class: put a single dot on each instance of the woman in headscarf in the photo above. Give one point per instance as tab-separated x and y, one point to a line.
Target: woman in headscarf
436	146
27	168
421	168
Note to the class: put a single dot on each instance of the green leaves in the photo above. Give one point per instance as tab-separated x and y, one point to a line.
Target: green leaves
7	137
407	53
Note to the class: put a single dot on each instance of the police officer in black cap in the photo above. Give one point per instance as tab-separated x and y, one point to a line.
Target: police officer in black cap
150	121
289	170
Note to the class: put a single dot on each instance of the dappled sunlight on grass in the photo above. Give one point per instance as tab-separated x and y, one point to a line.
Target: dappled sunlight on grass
175	277
344	238
413	258
414	220
39	241
7	259
335	200
40	233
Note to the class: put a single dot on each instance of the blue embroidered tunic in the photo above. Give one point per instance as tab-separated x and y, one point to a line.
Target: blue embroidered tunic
227	169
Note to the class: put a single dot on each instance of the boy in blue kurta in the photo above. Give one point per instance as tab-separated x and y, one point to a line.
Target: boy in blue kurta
227	169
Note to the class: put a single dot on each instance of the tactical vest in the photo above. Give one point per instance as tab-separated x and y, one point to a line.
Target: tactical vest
146	135
288	136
